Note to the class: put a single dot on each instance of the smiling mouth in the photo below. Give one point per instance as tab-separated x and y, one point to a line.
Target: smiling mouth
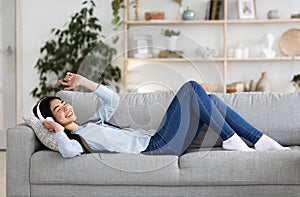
69	114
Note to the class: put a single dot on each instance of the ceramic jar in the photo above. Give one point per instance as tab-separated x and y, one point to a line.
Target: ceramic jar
263	84
172	43
273	14
188	14
245	52
238	53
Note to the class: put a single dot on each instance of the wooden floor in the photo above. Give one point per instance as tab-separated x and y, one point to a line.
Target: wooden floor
2	173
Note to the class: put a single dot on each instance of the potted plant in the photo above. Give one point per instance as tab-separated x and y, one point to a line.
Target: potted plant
116	6
296	81
172	36
80	42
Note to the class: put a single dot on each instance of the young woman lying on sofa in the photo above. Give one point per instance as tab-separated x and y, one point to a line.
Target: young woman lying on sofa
189	110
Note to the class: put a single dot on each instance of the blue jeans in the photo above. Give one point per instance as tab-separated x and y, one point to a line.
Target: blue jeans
189	110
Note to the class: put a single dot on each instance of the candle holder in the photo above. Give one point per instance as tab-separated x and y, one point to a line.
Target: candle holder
136	11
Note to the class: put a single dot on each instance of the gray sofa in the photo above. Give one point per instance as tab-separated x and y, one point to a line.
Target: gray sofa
204	170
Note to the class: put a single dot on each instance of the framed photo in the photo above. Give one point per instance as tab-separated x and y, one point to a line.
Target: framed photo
142	46
247	9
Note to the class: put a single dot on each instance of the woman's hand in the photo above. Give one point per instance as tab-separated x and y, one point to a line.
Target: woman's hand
53	126
71	81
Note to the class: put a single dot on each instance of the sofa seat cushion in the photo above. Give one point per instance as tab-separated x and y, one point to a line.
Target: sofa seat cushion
48	167
240	168
205	167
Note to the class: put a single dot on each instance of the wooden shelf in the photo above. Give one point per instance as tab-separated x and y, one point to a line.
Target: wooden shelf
262	21
203	22
175	59
226	24
263	59
218	59
166	22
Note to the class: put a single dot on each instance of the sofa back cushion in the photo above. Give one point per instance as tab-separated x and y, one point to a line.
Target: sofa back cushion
276	114
138	110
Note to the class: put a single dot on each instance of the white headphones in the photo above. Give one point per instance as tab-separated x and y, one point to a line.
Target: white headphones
42	119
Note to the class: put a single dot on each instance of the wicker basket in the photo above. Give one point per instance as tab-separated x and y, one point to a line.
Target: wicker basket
154	16
289	42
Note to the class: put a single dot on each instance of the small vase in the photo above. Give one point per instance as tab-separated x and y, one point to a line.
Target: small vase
180	12
188	14
273	14
172	43
251	86
263	84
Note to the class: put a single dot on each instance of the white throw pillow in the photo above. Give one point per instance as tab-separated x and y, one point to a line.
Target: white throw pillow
47	138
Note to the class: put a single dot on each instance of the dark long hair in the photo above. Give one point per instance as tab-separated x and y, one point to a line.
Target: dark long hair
44	108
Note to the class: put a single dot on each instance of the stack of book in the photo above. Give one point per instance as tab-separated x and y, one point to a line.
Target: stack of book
170	54
295	15
215	10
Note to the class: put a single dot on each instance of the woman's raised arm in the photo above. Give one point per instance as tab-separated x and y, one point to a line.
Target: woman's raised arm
110	98
72	81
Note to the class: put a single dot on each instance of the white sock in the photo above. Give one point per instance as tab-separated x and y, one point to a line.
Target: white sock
267	143
236	143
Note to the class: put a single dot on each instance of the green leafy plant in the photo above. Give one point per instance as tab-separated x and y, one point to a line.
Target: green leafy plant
80	40
117	19
296	78
170	32
296	82
116	6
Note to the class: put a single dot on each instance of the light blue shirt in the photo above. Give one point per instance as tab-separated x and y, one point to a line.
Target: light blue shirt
100	136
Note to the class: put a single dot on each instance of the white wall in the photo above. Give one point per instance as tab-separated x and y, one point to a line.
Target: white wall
39	16
1	73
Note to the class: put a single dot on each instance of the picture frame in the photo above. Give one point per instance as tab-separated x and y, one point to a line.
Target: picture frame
247	9
142	46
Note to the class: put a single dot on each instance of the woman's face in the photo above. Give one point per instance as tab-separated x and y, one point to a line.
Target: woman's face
62	111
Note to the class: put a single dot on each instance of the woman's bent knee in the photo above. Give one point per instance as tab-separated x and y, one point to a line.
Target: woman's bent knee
194	83
213	97
192	86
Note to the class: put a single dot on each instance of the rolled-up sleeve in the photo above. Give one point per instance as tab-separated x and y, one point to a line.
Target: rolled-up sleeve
110	102
67	147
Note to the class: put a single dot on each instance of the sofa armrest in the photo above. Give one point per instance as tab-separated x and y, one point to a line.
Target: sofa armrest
21	144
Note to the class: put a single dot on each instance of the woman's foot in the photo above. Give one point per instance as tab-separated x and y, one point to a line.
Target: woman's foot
235	143
267	143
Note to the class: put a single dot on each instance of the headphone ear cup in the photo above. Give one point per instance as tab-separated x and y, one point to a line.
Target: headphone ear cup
50	119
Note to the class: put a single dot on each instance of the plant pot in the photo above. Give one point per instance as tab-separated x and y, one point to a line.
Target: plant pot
297	86
172	43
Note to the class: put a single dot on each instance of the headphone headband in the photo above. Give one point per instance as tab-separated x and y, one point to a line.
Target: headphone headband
39	112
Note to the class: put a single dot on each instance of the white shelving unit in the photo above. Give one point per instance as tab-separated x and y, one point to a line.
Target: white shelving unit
225	25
